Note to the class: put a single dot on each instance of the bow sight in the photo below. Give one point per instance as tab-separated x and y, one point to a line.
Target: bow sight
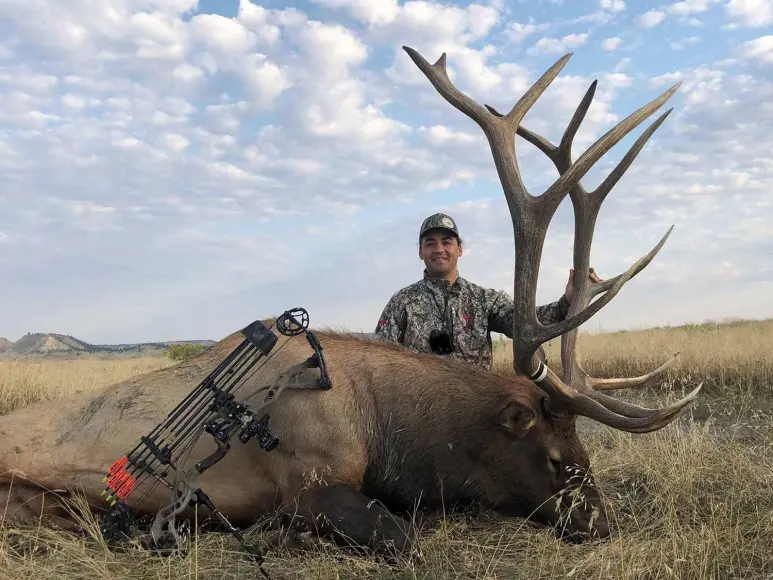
212	408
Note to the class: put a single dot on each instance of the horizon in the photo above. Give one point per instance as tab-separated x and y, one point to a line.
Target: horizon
180	168
494	336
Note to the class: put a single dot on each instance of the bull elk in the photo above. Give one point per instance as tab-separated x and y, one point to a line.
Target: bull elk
407	429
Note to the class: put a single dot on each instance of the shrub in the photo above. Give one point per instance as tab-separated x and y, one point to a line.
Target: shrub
183	352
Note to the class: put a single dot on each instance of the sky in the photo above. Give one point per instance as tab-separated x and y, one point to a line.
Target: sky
174	169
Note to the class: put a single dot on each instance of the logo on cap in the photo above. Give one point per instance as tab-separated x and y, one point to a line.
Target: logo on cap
448	222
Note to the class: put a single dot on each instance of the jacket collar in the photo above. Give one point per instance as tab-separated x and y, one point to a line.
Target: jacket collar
443	284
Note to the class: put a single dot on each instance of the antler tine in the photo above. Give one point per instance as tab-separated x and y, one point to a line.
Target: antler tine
437	74
624	383
531	217
588	407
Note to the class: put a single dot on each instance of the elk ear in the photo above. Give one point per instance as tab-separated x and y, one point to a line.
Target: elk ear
517	418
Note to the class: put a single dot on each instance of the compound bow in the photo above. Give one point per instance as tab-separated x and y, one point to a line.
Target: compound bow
210	407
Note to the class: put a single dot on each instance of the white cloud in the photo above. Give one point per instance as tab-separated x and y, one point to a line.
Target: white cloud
187	72
651	18
265	80
440	135
157	161
76	102
175	142
331	48
373	12
750	13
610	44
760	48
433	19
517	32
681	44
612	5
220	34
557	45
618	80
688	7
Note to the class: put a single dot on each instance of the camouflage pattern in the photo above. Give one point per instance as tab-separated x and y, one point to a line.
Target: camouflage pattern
438	220
473	312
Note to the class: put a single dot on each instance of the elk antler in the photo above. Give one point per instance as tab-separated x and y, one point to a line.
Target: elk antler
531	216
586	206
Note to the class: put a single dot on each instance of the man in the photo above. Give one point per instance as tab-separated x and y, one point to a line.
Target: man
447	315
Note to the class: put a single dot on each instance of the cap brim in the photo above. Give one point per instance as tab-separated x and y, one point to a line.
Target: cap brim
440	228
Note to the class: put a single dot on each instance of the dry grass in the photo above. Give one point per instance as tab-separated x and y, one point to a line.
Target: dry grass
692	501
26	381
734	355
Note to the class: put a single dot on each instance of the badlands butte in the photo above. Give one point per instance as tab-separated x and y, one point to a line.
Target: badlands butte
49	345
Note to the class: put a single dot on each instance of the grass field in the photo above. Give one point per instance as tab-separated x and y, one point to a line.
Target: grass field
693	501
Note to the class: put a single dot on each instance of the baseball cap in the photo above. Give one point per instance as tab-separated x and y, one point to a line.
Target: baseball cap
438	220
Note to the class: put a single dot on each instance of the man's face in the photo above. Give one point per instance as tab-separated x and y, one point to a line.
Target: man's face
440	251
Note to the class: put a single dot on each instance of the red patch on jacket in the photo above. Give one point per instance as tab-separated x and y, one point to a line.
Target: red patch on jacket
469	319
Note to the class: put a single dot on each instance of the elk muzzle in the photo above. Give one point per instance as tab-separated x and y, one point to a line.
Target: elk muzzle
578	511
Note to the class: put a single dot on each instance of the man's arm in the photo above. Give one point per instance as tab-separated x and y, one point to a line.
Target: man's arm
501	312
501	317
392	323
553	312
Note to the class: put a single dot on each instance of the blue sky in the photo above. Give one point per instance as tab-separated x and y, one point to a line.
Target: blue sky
174	169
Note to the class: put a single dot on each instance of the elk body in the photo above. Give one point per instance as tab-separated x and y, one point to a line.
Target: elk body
400	427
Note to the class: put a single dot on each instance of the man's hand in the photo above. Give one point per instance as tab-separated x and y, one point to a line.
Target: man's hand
569	292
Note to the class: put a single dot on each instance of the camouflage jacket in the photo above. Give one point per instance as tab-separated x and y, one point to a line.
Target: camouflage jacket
473	312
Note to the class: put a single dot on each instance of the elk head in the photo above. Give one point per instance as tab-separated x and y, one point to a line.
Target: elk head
578	393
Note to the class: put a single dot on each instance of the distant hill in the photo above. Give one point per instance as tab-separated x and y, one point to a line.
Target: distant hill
53	345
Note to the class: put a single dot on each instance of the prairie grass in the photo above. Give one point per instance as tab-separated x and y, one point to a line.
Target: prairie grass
735	355
692	501
25	381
